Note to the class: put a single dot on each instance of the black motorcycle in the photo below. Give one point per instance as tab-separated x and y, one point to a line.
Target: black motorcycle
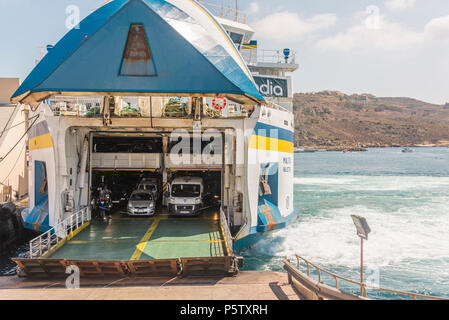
103	205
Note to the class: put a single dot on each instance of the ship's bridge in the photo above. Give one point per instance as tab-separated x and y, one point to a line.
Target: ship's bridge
271	69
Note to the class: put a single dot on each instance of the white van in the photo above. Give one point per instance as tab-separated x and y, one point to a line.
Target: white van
186	196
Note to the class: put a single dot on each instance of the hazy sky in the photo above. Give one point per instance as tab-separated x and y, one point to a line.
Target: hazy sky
384	47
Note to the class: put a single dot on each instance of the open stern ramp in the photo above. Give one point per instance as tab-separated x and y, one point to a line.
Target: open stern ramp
157	246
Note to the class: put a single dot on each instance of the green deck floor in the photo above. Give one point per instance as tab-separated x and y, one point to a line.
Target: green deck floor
146	239
185	239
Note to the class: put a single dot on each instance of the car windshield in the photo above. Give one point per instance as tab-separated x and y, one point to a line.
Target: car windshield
148	187
186	190
141	197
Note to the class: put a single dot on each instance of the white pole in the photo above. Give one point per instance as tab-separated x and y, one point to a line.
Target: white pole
362	291
83	168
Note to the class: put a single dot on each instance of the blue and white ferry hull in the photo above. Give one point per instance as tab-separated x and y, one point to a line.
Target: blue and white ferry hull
270	173
257	190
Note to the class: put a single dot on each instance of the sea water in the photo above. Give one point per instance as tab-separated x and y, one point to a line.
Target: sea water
403	196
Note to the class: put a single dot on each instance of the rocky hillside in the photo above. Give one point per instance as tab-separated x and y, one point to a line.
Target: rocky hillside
334	119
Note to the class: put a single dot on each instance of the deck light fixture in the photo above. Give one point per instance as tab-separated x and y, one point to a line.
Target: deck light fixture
362	231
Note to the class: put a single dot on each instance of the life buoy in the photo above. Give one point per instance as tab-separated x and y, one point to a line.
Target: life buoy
219	103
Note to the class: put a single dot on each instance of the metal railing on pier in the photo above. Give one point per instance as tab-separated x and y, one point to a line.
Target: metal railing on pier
48	241
325	293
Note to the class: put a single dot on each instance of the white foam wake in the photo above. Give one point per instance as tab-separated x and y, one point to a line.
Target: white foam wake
408	234
373	183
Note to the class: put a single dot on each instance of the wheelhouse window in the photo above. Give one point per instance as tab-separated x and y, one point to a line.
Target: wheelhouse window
237	38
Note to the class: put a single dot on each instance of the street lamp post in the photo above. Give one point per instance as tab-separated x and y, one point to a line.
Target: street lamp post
362	231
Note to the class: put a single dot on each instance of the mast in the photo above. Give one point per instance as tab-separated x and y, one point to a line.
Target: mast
236	10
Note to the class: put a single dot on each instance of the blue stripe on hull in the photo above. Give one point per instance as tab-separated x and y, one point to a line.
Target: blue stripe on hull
259	232
266	130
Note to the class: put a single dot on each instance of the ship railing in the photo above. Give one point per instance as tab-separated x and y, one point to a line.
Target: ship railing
76	106
363	287
138	107
226	232
275	56
50	240
254	56
225	12
275	106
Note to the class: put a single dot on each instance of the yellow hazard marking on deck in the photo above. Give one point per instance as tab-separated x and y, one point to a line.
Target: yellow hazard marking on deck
143	243
66	240
101	241
40	142
154	241
208	241
74	233
226	243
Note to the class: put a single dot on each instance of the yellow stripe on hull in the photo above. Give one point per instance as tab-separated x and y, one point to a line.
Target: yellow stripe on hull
41	142
271	144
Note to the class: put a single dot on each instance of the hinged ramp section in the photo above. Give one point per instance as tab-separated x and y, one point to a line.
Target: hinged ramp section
208	266
56	268
168	267
42	267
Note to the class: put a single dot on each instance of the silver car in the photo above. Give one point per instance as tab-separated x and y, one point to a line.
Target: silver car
150	185
141	203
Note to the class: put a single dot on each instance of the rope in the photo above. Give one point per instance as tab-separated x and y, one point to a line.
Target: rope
15	165
7	154
16	125
6	125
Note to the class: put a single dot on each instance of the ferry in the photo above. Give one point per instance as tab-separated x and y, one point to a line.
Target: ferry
407	150
162	90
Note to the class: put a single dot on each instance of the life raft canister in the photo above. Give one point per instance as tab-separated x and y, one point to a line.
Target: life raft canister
219	103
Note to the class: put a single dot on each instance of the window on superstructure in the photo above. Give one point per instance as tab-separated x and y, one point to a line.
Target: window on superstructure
237	39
